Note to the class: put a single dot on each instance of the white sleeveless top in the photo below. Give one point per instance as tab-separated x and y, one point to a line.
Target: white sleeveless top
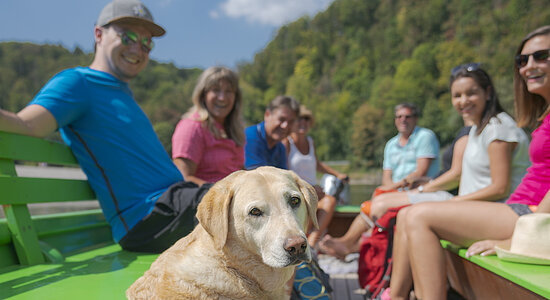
303	165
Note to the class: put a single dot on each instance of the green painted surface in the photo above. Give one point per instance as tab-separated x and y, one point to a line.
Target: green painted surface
533	277
103	273
20	147
23	190
24	236
69	221
348	208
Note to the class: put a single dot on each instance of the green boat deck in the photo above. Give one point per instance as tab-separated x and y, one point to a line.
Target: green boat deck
102	273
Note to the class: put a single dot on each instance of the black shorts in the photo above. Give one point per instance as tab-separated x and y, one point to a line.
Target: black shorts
172	218
520	209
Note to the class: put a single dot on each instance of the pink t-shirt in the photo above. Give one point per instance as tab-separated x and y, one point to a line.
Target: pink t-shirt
215	158
536	182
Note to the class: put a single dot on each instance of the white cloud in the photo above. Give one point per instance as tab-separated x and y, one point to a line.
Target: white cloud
272	12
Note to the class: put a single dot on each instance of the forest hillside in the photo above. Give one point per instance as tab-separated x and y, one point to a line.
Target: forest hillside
351	64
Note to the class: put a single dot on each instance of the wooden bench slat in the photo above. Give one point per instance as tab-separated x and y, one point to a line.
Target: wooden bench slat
23	190
20	147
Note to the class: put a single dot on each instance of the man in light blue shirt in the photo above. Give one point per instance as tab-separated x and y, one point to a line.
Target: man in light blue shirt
412	153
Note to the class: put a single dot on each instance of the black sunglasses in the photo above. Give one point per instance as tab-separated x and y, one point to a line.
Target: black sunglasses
539	56
469	67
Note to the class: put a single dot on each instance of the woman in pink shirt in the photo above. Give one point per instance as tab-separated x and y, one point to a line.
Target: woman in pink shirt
417	250
207	144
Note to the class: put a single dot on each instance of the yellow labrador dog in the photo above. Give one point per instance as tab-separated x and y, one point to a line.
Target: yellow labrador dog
250	237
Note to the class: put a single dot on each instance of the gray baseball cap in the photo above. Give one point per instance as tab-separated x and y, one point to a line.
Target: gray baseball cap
131	11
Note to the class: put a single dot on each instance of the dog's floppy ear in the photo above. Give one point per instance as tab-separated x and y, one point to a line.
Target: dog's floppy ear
310	197
213	211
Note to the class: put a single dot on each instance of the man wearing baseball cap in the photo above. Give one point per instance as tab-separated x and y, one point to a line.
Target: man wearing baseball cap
141	192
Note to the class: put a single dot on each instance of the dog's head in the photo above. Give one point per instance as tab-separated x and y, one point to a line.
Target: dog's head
265	211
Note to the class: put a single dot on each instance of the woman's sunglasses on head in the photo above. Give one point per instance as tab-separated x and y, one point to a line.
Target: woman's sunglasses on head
129	38
469	67
538	56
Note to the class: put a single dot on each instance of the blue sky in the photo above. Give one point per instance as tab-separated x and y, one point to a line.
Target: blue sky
200	33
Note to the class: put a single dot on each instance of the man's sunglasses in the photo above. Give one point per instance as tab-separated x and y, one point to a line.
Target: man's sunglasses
539	56
406	117
130	38
469	67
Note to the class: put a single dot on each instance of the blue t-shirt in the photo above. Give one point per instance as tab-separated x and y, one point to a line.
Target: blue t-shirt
114	142
258	154
401	160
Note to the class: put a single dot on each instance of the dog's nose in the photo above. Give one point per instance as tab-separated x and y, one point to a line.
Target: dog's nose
295	245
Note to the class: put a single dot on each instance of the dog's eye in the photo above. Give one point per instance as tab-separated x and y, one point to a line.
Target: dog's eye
294	202
255	212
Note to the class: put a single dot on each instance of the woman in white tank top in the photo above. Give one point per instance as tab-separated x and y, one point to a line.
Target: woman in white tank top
303	161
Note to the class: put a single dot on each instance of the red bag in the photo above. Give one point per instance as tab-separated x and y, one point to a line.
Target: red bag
376	252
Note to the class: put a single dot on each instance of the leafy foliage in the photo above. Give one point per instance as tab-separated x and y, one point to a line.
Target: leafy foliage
351	64
355	61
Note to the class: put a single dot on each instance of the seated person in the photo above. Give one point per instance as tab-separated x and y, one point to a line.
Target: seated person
412	153
303	160
494	159
208	143
264	148
264	145
420	227
142	194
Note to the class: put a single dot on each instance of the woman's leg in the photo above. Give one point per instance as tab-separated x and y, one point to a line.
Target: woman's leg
401	277
381	203
348	243
325	211
459	222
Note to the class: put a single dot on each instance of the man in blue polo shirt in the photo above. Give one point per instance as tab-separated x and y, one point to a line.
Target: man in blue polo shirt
412	153
264	148
263	141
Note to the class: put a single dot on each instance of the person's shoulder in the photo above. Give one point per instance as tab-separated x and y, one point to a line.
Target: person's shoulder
251	130
74	74
393	140
190	124
252	137
502	120
97	77
425	133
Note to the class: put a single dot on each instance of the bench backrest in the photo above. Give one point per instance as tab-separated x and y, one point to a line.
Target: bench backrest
26	239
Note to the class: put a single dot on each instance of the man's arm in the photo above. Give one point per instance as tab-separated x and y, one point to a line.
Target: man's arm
422	167
33	120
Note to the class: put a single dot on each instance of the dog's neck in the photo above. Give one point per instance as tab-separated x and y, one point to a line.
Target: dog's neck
258	274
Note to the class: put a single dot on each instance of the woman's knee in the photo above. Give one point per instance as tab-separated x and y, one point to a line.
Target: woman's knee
378	207
420	215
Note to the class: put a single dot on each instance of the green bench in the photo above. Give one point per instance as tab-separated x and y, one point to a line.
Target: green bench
476	277
56	256
488	277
